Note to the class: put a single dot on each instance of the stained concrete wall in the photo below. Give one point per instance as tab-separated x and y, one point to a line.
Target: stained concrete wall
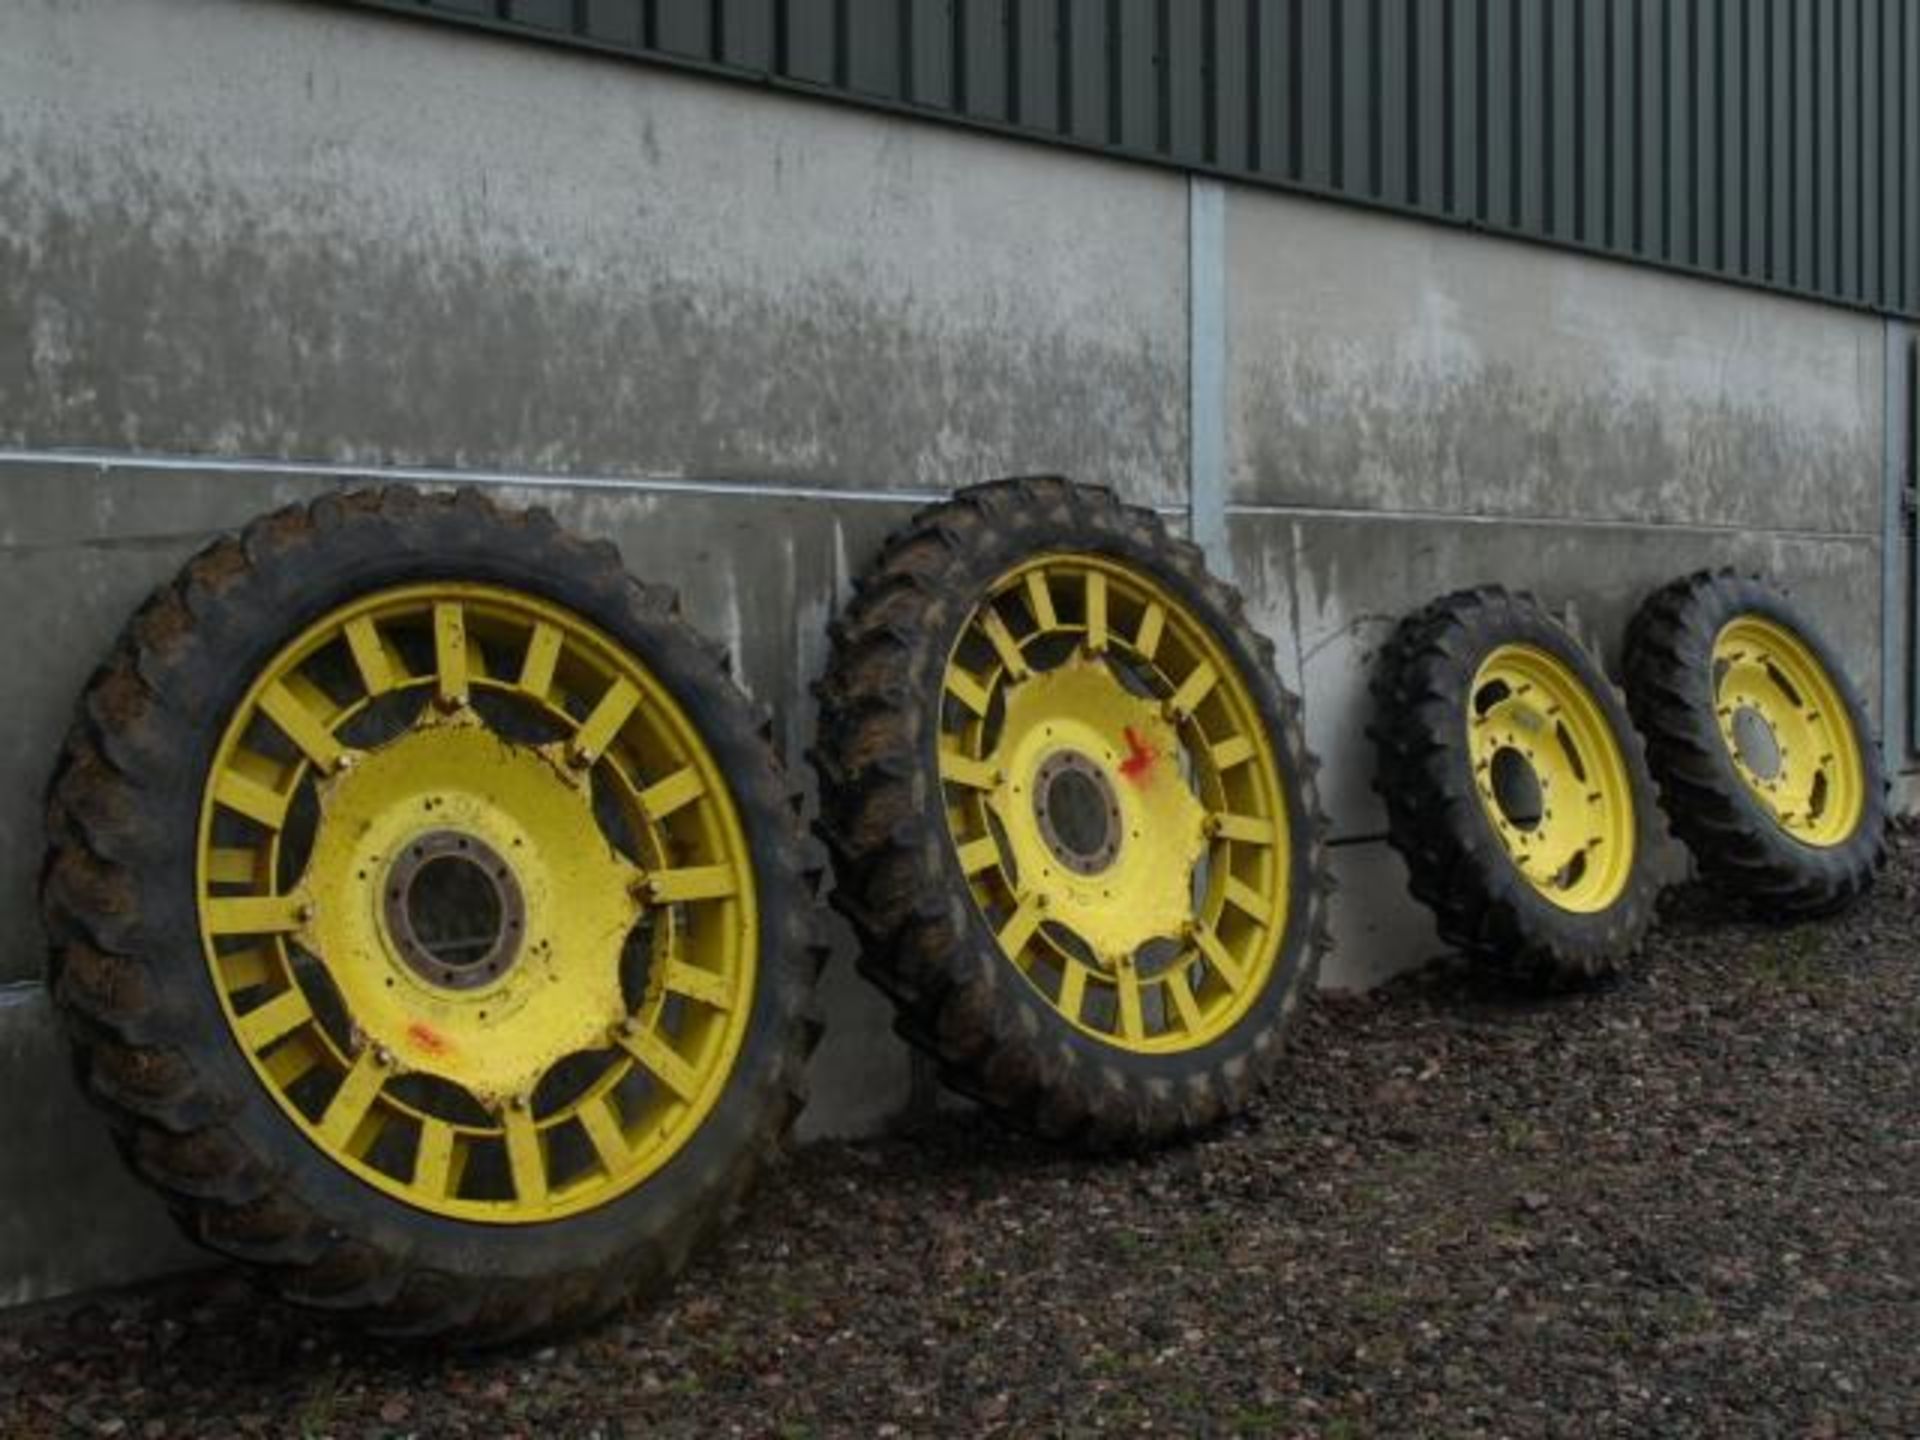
251	249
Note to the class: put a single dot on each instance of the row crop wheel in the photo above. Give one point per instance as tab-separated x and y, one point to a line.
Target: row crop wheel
1759	742
1071	812
428	915
1516	790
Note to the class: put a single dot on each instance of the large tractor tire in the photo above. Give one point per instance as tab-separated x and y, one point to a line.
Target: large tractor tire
1072	814
1760	744
428	915
1516	790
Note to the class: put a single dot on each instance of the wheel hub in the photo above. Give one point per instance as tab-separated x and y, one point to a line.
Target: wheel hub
1077	811
454	910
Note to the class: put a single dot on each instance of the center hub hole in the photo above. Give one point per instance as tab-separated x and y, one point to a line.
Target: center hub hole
1754	743
1516	789
454	910
1078	812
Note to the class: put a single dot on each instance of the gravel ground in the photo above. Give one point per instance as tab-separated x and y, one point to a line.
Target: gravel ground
1689	1203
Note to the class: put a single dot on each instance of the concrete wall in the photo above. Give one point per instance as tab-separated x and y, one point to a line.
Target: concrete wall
252	250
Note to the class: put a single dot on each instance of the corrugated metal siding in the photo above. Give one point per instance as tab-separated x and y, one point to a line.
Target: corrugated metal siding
1775	142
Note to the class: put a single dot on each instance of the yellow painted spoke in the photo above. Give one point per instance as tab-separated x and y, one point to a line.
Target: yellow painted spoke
601	1121
1224	964
978	855
1004	645
244	969
289	1062
1073	990
1096	611
353	1099
1133	1025
596	732
247	796
1246	899
232	865
663	797
378	669
965	770
1040	601
543	653
253	914
1244	829
436	1159
1195	688
1153	622
967	690
662	1062
708	988
1020	926
298	719
1181	993
526	1155
450	652
1234	750
696	882
282	1015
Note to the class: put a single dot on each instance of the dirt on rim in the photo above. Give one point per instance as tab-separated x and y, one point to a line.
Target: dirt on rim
1688	1203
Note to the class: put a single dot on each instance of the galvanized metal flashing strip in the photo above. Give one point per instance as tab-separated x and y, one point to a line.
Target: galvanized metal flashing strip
1207	368
744	489
1771	143
1558	522
1897	740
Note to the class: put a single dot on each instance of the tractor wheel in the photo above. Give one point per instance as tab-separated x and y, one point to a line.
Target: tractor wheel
1760	744
428	915
1072	814
1516	790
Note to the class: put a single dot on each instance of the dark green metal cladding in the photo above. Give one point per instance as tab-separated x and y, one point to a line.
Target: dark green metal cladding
1770	142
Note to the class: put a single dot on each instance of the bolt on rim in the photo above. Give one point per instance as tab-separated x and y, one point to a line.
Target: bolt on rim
452	755
1115	803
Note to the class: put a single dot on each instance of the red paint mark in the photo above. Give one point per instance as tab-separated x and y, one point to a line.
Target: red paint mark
1140	757
427	1038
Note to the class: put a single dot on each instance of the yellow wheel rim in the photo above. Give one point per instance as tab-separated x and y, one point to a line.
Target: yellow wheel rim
1551	777
461	757
1787	729
1114	801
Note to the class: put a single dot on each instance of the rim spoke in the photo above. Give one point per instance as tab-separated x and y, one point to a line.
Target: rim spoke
1194	689
350	1105
279	1017
380	669
1126	983
1152	623
695	882
1073	989
232	865
1223	963
438	1159
663	1062
247	796
968	690
964	770
526	1154
244	969
1181	993
705	986
543	654
1244	829
1234	750
1040	601
1246	899
664	797
1096	611
1020	926
596	732
297	710
1004	645
450	653
254	914
978	855
601	1120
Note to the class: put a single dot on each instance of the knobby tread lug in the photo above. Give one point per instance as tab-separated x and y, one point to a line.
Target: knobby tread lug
922	941
1738	847
133	1038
